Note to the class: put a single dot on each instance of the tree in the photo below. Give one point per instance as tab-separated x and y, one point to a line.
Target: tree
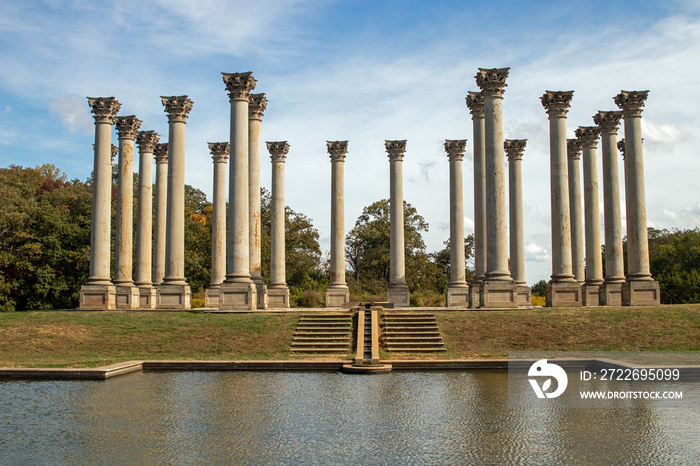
674	258
539	288
441	259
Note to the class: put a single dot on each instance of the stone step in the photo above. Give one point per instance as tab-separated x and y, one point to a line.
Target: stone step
408	314
415	350
342	334
392	339
296	344
412	343
431	318
326	319
318	350
323	329
344	339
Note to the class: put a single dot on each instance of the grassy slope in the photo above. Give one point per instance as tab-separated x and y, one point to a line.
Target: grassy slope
89	339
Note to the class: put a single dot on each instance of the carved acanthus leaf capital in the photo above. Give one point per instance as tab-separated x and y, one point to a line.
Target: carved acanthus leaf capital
395	149
455	148
127	126
177	107
278	150
239	85
160	152
631	102
104	108
621	148
337	149
147	140
588	135
475	103
514	148
492	81
573	148
608	121
219	151
257	106
557	103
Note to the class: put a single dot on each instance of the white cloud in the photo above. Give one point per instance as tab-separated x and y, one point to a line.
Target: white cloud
73	112
536	253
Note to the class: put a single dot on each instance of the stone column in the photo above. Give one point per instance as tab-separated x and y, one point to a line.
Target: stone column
278	293
498	289
238	290
611	289
588	137
127	293
562	289
256	107
475	102
573	150
98	292
397	291
640	289
457	290
514	151
219	155
174	292
337	293
144	228
161	155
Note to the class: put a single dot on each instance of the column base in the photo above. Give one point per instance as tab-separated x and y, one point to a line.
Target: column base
173	296
475	294
610	294
211	297
563	294
337	296
127	297
498	294
590	295
524	294
147	297
98	297
399	295
641	293
261	292
238	296
457	295
278	297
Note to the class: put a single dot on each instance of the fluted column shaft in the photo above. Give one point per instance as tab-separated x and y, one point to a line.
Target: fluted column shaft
220	153
614	267
127	126
397	265
278	152
594	264
257	105
144	227
514	150
455	152
160	218
475	102
337	149
577	261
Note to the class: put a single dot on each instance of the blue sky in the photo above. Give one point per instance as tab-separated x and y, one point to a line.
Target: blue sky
364	71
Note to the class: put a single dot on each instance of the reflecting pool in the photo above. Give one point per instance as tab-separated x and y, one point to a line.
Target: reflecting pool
323	418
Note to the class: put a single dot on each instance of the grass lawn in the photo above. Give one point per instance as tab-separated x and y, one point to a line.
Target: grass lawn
91	339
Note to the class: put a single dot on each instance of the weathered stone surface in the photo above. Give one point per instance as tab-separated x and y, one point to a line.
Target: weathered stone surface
278	293
256	108
220	152
457	289
337	294
573	148
475	103
397	291
146	141
514	149
160	153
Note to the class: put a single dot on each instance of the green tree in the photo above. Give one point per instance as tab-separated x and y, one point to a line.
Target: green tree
441	259
539	288
674	258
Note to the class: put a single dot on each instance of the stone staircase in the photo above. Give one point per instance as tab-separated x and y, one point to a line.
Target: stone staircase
411	332
323	333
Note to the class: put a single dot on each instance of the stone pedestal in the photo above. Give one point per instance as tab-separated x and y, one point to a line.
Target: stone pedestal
397	291
337	293
127	293
610	294
174	292
256	108
524	295
498	281
641	293
590	294
475	294
220	153
278	297
236	296
99	293
278	293
457	289
457	296
563	294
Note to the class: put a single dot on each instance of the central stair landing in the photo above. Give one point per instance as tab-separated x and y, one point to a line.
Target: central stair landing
411	332
323	334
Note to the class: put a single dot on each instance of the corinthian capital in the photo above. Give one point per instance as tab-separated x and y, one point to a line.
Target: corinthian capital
257	106
177	107
455	148
492	81
573	148
514	148
127	126
588	135
239	85
621	148
395	149
337	149
475	103
631	102
557	103
278	150
219	151
608	121
147	140
104	108
160	152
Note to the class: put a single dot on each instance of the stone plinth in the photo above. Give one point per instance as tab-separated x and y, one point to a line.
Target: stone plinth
98	297
610	294
498	294
337	293
641	293
590	294
563	294
398	294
